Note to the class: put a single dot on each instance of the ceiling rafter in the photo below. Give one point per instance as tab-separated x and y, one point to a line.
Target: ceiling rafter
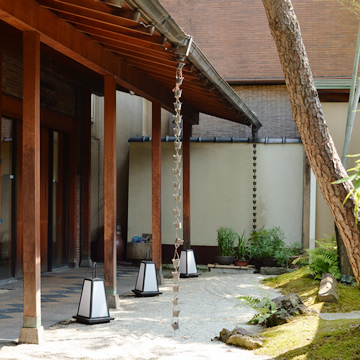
63	37
126	45
76	9
114	35
104	26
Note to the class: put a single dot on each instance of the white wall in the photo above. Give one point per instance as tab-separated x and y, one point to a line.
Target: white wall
221	189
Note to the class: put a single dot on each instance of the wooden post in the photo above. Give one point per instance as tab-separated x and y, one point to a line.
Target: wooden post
0	137
73	178
110	190
156	188
186	182
86	248
32	331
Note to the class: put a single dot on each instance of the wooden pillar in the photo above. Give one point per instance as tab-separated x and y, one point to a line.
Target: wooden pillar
110	190
0	130
32	331
156	187
86	248
73	204
186	183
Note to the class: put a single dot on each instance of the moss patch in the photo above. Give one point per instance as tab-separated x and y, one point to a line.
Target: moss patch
309	337
307	288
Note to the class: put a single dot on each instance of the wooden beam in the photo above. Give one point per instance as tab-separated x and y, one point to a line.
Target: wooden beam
90	13
0	129
110	184
86	208
31	179
186	183
99	26
156	184
63	37
73	205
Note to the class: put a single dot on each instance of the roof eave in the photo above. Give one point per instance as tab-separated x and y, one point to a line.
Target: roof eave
167	26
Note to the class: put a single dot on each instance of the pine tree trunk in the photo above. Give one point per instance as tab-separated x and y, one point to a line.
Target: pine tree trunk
307	113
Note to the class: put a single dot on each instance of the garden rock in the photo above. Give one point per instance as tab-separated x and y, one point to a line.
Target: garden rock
272	270
224	335
241	338
328	289
287	307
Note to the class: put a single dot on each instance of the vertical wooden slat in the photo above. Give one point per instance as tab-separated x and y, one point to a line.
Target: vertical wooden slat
86	211
110	184
44	197
156	184
19	204
31	179
186	182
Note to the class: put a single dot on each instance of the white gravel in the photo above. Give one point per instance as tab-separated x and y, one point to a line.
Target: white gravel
142	327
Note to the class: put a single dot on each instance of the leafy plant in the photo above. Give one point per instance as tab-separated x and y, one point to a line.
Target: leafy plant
242	250
323	259
226	238
269	244
355	191
265	307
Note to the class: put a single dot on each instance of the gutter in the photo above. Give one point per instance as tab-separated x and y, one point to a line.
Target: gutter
216	139
166	25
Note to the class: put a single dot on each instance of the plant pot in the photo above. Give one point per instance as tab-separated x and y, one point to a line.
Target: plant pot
270	262
224	260
241	262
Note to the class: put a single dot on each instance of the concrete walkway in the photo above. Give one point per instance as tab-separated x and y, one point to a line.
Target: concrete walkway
60	295
141	328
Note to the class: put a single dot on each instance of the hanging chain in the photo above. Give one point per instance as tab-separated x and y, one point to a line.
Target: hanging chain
177	195
254	187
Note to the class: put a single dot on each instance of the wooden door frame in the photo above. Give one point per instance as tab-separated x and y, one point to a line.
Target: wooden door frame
12	109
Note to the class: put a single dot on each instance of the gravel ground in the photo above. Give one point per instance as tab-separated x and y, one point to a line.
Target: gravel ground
142	326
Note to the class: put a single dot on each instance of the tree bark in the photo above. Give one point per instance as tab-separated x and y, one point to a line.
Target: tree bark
307	113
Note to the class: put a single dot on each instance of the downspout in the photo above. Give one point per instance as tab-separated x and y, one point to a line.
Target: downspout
353	103
312	214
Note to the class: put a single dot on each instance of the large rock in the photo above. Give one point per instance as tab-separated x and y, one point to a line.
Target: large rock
245	342
272	270
241	338
292	304
328	289
286	308
224	335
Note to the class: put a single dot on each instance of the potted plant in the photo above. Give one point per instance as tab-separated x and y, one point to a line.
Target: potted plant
268	247
242	251
226	239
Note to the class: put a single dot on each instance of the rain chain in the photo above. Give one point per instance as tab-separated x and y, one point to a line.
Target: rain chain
254	187
177	195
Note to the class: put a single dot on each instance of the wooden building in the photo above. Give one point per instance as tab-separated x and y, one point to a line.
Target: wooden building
54	55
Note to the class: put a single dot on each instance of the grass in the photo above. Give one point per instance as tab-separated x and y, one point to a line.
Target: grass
310	337
307	288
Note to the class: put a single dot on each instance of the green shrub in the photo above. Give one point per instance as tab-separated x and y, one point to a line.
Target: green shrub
269	244
265	308
321	260
226	239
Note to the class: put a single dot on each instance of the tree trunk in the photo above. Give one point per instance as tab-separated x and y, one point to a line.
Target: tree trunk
307	113
344	263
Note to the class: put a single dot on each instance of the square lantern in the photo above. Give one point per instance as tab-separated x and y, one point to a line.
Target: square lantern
93	308
146	282
187	267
